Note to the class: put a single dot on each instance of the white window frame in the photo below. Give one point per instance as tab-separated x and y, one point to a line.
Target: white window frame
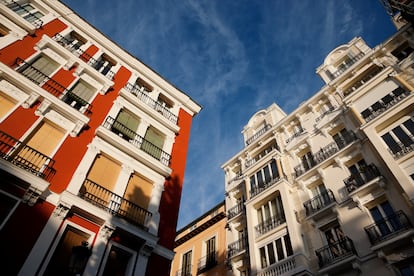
131	262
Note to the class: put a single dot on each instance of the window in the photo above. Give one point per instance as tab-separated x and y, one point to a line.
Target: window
27	11
153	142
138	190
385	218
308	161
270	215
40	145
126	124
400	138
6	105
275	251
211	251
40	69
8	204
403	51
186	264
62	260
264	175
104	64
119	261
356	170
79	95
342	138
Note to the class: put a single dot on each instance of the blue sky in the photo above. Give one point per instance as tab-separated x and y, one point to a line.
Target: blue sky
233	57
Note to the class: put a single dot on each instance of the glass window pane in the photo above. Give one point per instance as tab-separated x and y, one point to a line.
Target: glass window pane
275	172
271	253
402	136
279	249
263	261
391	143
288	245
409	124
267	174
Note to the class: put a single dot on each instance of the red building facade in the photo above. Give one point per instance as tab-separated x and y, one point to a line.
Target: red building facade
93	147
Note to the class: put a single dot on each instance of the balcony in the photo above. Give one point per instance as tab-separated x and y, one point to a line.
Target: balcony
114	204
137	140
26	157
207	262
326	152
342	250
387	228
260	188
360	82
293	265
74	49
320	117
400	149
237	247
262	154
259	133
348	63
298	133
143	96
361	178
269	224
319	202
185	271
53	87
385	104
235	211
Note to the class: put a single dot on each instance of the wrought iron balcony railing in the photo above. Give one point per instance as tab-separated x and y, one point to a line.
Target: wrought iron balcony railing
388	227
319	202
336	251
31	17
349	62
386	103
207	262
259	133
235	210
360	82
320	117
269	224
143	96
260	188
238	246
53	87
185	271
137	140
114	204
298	133
262	154
401	149
74	48
361	178
26	157
326	152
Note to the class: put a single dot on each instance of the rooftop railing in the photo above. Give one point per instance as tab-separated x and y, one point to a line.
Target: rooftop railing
360	82
348	63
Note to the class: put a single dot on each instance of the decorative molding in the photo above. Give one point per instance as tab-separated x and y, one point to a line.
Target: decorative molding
61	210
106	231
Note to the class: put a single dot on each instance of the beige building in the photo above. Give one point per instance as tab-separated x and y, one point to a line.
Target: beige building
329	188
200	247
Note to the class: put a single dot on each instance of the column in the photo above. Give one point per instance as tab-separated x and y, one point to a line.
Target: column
144	253
153	207
98	250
